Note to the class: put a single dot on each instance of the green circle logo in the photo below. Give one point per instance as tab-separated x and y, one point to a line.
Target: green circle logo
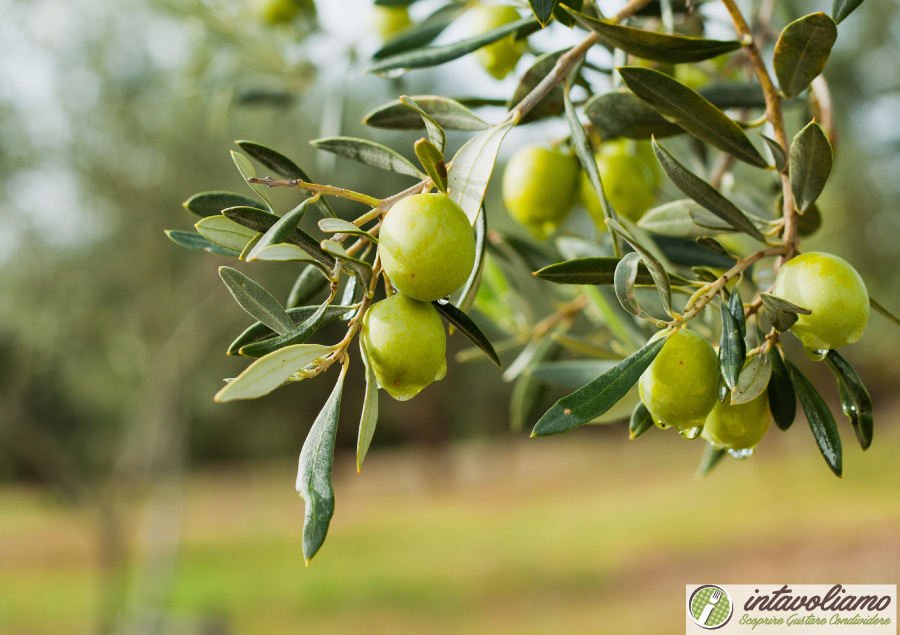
710	606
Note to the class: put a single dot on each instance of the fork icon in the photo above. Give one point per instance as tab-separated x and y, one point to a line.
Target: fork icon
713	600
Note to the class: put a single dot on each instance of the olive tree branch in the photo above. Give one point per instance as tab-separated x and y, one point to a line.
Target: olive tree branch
776	118
329	190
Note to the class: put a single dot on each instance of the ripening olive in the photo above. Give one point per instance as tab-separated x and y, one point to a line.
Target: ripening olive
739	426
500	58
630	176
835	293
389	21
539	188
406	345
679	386
283	11
427	246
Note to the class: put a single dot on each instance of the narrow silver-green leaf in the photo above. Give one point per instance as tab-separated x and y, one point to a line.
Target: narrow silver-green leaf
256	301
192	240
247	171
297	335
640	421
432	160
732	349
436	134
436	55
623	283
855	400
471	168
448	113
279	232
811	161
781	313
258	331
802	50
683	218
361	268
261	221
369	153
595	271
286	252
705	194
369	416
690	110
592	400
314	472
470	288
225	233
657	271
269	372
212	203
659	47
753	380
341	226
467	327
821	421
623	114
423	33
782	398
309	283
778	154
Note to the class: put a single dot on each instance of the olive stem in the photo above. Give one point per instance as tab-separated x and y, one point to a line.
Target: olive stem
330	190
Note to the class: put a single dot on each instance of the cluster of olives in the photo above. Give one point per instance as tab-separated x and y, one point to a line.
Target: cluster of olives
541	186
679	387
427	250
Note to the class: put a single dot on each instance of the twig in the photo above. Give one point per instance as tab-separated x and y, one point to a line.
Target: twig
329	190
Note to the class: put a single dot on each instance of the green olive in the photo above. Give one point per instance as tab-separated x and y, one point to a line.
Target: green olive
835	293
539	188
630	176
739	426
679	387
283	11
406	345
500	58
389	21
427	246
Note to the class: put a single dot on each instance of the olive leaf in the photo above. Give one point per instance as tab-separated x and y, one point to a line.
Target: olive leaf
256	301
314	472
471	169
597	270
778	154
470	289
369	416
341	226
226	233
753	380
623	283
258	331
247	171
781	313
683	218
269	372
446	112
732	349
802	50
436	134
543	9
422	33
298	334
432	160
690	110
640	421
711	457
705	194
278	232
821	421
855	400
782	397
592	400
308	284
659	47
840	9
369	153
261	221
467	327
884	311
623	114
212	203
811	161
527	392
192	240
552	103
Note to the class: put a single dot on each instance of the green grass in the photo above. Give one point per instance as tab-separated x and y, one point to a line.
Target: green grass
529	536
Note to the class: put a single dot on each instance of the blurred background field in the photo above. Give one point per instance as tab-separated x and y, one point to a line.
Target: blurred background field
130	502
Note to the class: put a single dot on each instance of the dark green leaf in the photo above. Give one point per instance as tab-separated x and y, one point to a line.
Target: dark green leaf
781	313
705	275
778	154
821	421
437	55
471	168
212	203
884	311
258	331
297	335
542	9
711	457
275	161
690	110
436	134
677	219
640	421
811	161
782	398
432	160
449	114
712	245
659	47
735	95
552	103
314	473
705	194
192	240
309	283
256	301
623	283
597	270
802	51
261	221
855	400
279	232
592	400
682	251
368	152
422	33
467	327
753	380
657	271
369	416
840	9
732	349
809	222
272	371
623	114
